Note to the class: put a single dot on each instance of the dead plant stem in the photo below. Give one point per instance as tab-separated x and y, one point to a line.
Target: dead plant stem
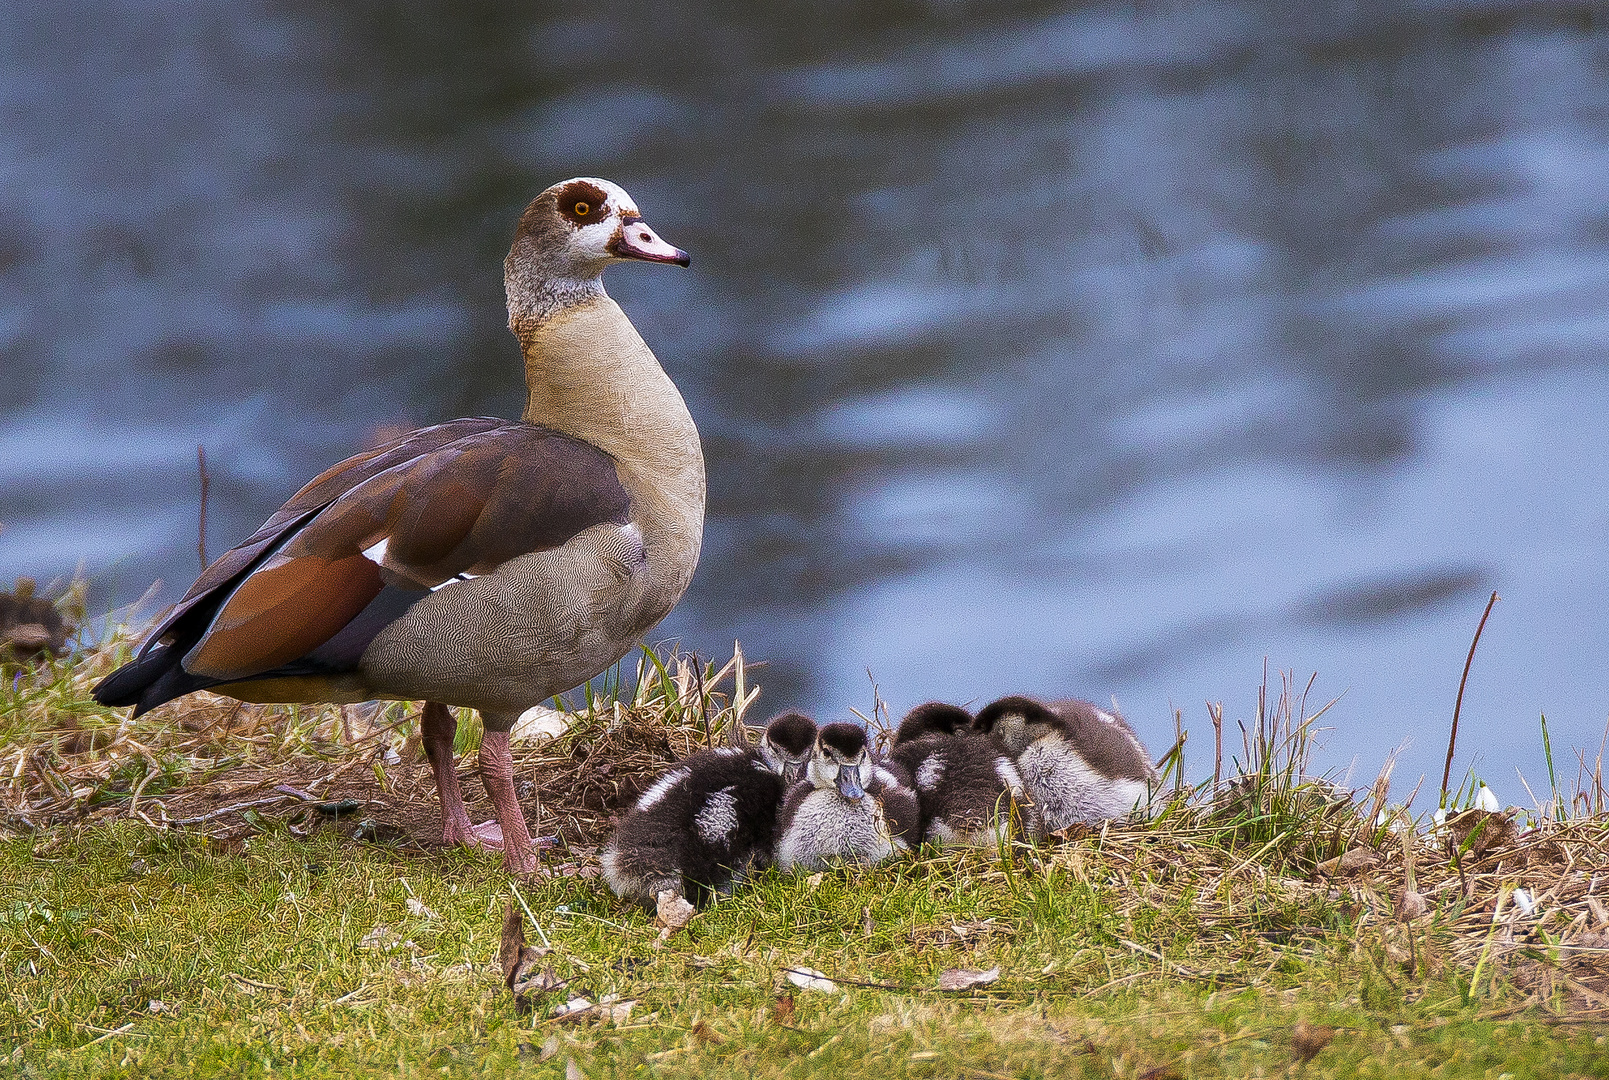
1458	706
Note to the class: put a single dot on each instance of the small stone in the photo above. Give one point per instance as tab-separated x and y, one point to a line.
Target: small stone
674	912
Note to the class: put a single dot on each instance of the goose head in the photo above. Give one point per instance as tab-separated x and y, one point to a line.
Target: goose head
841	760
787	744
567	236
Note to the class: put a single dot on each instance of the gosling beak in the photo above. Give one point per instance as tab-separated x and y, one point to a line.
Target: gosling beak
792	771
636	240
849	782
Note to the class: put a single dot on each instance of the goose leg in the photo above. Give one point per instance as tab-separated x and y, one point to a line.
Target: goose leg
497	773
437	728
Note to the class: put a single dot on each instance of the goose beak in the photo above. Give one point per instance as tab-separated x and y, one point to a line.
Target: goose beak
792	771
636	240
849	782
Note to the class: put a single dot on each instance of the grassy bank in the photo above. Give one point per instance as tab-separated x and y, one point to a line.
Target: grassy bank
1270	926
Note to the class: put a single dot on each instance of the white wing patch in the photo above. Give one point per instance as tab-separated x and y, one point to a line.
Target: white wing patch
376	553
930	772
887	779
662	787
718	819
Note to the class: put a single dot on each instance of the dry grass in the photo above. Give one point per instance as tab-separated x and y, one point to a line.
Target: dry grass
209	761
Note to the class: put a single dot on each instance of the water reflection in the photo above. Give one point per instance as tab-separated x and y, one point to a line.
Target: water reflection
1105	350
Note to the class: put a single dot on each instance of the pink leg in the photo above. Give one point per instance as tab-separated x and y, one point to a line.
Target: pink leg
437	728
497	773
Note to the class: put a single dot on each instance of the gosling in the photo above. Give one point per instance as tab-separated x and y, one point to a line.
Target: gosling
848	809
967	787
1080	764
710	821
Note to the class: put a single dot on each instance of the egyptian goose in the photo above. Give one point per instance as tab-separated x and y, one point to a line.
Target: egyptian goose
1080	764
967	786
848	809
481	563
708	822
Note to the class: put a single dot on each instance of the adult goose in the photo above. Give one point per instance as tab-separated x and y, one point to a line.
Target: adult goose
1080	764
481	563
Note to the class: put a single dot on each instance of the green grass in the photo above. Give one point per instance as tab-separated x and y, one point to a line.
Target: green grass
268	960
1205	942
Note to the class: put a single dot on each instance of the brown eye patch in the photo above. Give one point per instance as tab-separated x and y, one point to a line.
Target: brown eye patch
582	203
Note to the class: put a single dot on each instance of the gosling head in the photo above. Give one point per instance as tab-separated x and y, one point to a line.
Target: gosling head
787	744
933	718
841	759
564	240
1017	721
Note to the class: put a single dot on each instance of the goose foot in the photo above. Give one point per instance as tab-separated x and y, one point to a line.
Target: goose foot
488	835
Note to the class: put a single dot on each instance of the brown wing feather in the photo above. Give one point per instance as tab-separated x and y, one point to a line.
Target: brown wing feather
464	507
316	494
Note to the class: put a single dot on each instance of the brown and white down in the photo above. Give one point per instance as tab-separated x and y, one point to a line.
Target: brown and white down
482	563
1080	764
848	808
967	786
709	821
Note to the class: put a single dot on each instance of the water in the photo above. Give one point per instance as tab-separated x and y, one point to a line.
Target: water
1107	351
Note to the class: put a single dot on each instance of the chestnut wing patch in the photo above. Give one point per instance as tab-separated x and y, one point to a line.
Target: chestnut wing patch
462	508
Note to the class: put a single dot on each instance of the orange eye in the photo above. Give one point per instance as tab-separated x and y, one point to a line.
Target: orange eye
582	209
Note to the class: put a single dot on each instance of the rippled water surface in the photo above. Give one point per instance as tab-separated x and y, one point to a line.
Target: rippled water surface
1105	350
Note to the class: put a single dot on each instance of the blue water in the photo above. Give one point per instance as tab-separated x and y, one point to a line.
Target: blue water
1110	351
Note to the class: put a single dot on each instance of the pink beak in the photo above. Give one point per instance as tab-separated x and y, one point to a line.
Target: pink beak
637	241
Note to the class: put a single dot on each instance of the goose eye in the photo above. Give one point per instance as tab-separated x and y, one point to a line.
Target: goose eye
582	209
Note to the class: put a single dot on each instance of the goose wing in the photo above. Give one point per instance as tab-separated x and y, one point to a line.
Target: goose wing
364	541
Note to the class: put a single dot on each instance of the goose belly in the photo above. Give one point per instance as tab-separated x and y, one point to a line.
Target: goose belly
828	828
534	627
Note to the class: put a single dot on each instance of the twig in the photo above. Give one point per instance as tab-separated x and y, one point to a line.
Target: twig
1452	737
703	702
124	1030
224	811
206	482
1217	714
